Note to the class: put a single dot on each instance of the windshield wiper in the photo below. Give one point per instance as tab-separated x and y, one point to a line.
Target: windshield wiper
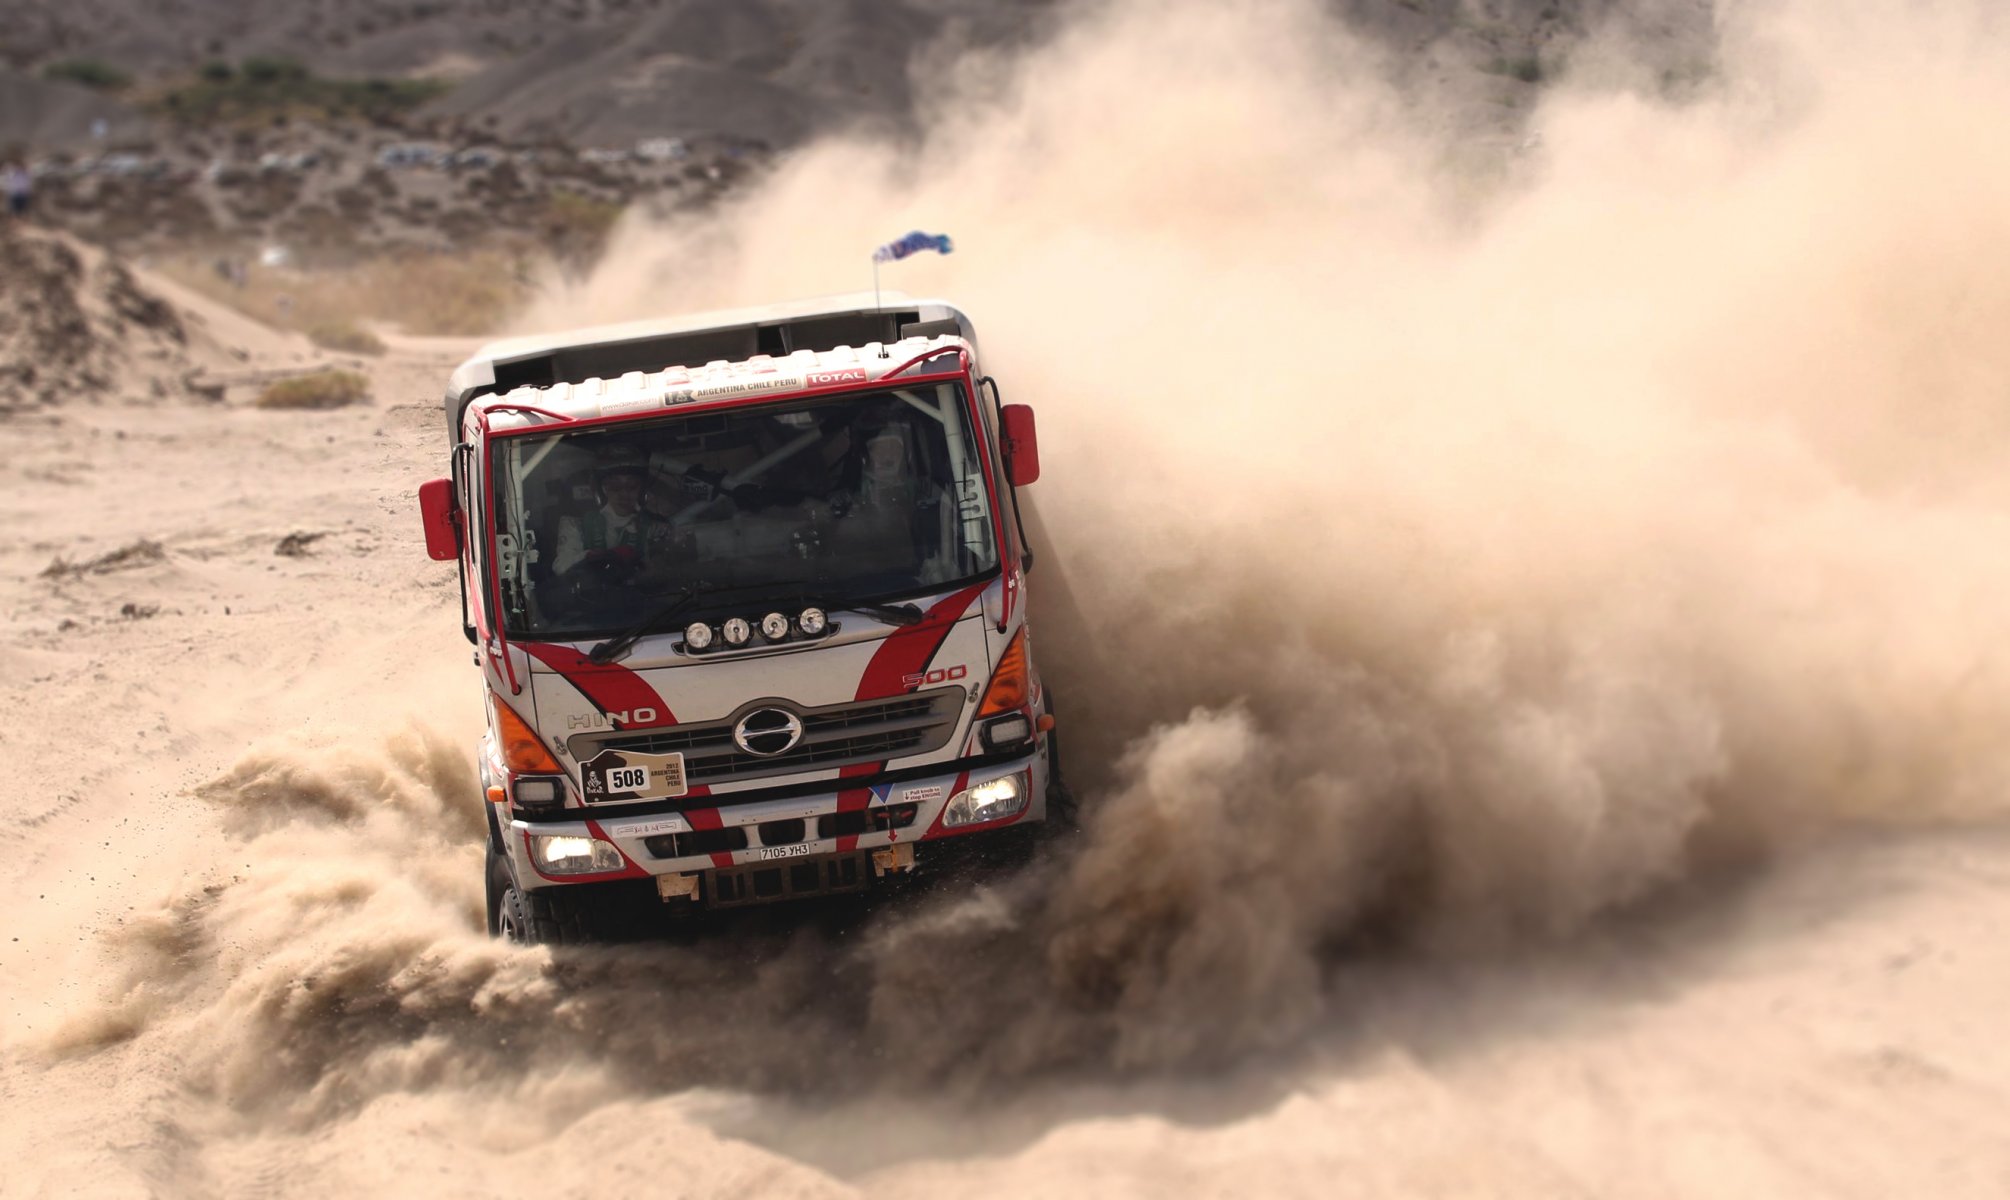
899	614
607	650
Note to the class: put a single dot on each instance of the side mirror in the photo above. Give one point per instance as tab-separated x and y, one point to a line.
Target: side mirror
1022	448
443	526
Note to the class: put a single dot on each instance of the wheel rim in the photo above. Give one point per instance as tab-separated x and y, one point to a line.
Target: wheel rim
506	919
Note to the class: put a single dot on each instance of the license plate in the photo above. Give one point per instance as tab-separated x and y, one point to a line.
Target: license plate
624	775
763	853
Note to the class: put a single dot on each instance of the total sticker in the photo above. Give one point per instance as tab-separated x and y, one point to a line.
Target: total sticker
921	795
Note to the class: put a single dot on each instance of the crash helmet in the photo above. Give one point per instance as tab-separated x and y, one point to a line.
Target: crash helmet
613	465
886	456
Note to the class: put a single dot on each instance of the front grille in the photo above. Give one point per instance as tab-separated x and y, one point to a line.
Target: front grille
782	833
697	841
836	735
865	820
785	832
765	884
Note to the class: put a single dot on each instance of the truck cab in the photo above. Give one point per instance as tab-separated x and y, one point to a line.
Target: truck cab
747	591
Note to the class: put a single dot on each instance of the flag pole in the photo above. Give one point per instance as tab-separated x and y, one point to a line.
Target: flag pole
875	300
894	251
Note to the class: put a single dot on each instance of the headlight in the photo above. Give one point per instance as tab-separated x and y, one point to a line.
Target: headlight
736	631
774	627
698	635
567	855
993	800
811	621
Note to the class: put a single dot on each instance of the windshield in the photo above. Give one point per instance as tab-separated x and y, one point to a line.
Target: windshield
856	498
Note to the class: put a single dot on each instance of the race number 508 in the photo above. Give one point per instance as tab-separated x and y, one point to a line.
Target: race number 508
627	779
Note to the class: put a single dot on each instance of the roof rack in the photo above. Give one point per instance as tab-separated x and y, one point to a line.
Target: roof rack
609	352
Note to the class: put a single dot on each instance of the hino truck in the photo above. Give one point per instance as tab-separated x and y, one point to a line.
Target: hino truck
747	590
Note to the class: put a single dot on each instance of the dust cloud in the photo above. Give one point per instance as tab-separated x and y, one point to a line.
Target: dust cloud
1452	536
1500	521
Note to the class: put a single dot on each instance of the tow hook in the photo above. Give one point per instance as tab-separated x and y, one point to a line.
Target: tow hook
897	857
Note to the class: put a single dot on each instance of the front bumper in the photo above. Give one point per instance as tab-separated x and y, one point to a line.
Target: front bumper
844	822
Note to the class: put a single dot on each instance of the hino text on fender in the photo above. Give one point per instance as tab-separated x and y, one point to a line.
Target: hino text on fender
748	595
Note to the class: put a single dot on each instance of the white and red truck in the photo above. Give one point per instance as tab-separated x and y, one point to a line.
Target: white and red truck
748	594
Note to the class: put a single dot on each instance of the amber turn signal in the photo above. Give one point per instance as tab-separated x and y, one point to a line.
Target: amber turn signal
1008	690
521	749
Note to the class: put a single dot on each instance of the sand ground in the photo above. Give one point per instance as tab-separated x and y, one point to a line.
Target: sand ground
1824	1025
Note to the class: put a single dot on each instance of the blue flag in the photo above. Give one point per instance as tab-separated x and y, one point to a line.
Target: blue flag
913	243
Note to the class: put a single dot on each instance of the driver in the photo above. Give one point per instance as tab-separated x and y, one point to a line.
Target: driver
617	540
883	478
893	515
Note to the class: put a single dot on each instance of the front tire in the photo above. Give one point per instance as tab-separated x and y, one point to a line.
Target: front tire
1064	812
553	917
550	917
499	884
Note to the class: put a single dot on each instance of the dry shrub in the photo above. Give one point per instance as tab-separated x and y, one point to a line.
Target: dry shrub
323	389
473	293
467	293
346	336
577	227
260	89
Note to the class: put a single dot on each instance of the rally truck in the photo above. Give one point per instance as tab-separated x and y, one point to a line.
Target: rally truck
748	592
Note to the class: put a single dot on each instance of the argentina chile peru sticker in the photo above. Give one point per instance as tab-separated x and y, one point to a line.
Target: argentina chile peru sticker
627	775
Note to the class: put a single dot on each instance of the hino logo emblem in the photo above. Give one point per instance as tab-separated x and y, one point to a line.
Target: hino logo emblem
633	716
768	732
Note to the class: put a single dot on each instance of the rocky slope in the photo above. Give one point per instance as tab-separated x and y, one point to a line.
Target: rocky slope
607	72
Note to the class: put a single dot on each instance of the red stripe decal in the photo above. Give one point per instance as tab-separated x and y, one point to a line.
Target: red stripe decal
1011	599
611	687
705	820
889	666
907	650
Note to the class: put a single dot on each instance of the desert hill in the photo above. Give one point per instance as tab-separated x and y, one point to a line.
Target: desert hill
609	72
77	325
